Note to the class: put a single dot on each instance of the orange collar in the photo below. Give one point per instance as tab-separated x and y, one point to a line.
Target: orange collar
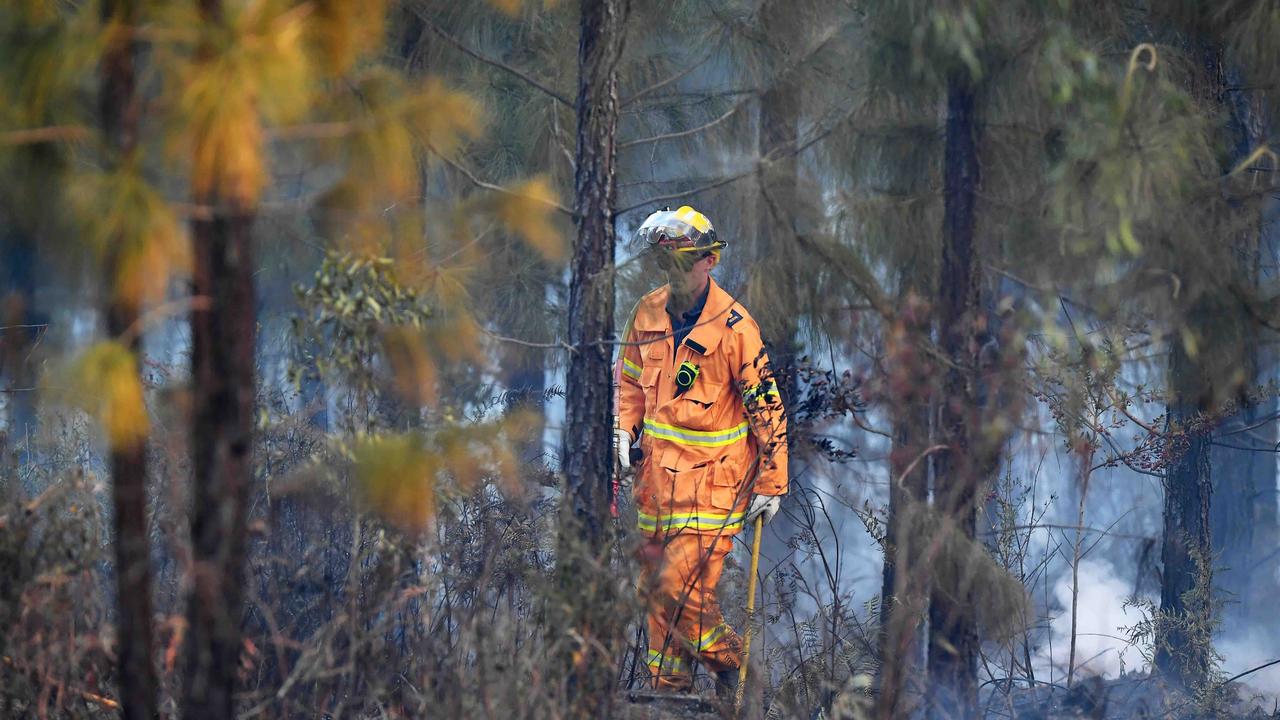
651	316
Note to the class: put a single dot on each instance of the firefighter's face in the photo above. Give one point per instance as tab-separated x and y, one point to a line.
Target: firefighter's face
671	262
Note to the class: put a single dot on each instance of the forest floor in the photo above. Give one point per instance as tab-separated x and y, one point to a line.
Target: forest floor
1130	697
651	705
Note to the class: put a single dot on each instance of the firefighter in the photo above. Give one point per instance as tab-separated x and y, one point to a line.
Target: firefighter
696	392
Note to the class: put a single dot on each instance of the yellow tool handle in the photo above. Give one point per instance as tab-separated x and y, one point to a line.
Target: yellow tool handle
757	529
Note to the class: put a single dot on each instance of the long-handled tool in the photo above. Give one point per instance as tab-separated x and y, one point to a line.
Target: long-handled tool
758	529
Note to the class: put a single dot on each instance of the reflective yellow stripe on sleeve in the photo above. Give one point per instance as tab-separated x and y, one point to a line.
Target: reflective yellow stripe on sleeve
630	369
763	390
712	636
695	438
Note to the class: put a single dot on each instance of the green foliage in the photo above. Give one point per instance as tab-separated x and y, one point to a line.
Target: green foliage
347	310
1187	638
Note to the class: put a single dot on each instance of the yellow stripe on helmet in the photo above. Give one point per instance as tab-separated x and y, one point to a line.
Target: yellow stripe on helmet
694	218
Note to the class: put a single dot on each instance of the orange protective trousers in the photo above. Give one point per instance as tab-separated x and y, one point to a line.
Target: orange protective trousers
681	572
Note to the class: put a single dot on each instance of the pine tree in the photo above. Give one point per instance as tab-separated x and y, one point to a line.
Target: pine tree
120	108
588	435
1209	369
223	337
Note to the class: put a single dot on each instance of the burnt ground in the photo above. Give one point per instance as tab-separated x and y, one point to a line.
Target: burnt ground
1130	697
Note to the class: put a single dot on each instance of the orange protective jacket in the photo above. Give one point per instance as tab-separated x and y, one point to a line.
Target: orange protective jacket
709	448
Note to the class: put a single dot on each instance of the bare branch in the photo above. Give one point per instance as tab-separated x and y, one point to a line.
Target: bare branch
774	155
663	83
422	15
492	187
691	131
52	133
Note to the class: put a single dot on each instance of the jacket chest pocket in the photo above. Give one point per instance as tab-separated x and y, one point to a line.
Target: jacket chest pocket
649	377
701	406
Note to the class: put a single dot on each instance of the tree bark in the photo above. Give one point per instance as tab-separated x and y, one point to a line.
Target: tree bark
223	337
588	434
1242	516
119	109
589	411
222	436
1196	386
1186	549
953	635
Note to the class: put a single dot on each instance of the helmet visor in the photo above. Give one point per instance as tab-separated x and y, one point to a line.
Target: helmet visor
667	231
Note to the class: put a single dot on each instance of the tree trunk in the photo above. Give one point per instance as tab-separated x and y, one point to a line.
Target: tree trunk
903	594
119	110
1198	381
1186	550
222	339
1242	516
223	336
953	635
589	410
588	434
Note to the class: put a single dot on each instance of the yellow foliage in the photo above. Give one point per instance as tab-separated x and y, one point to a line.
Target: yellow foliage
1190	343
510	7
250	69
42	75
383	160
133	230
393	121
457	335
343	30
442	117
401	477
411	365
396	479
460	459
36	11
104	382
527	212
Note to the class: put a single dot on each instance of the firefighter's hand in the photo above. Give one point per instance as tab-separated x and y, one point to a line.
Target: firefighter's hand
623	441
765	506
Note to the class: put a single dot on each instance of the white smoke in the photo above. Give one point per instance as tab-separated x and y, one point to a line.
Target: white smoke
1102	646
1241	654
